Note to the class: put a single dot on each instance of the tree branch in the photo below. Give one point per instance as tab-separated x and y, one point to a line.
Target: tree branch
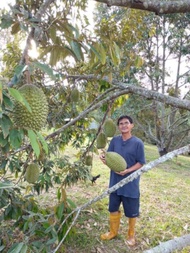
148	94
171	245
158	7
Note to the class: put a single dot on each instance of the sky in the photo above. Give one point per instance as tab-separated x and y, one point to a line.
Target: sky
5	3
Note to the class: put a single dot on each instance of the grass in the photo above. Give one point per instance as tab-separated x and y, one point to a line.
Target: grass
164	215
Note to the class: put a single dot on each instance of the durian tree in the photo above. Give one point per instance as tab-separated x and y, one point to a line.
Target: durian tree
70	58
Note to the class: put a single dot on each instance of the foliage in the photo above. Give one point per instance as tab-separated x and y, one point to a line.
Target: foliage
34	221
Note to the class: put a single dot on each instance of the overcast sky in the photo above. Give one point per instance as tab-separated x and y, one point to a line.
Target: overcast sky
4	3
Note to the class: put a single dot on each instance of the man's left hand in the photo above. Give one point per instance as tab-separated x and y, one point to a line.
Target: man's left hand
122	173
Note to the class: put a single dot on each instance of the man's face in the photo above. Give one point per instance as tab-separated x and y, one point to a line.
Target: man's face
125	126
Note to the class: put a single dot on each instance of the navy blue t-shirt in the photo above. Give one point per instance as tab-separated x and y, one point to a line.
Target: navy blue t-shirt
132	150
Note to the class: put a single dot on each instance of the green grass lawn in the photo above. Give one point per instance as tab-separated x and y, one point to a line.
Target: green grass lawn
165	206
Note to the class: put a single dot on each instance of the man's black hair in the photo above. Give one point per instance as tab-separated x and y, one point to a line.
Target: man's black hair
125	117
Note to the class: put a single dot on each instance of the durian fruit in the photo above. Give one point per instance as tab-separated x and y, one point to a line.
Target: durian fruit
88	160
35	119
101	140
32	173
109	128
75	95
115	161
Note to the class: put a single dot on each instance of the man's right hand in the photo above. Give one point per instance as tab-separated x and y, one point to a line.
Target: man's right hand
102	158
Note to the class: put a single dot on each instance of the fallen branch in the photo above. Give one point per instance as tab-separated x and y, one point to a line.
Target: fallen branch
171	245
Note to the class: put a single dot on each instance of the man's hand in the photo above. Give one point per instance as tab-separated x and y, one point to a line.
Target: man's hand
122	173
102	158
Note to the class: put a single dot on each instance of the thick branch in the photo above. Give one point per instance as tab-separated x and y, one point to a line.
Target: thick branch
158	7
119	89
143	92
171	245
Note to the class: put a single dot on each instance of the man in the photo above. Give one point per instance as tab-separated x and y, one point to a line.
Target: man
131	149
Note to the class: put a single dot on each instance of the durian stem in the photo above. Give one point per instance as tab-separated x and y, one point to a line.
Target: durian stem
27	72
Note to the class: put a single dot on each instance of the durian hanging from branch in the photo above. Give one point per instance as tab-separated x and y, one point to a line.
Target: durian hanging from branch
32	173
109	127
101	141
33	117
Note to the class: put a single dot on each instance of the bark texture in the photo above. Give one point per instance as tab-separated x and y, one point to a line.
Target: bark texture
171	245
158	7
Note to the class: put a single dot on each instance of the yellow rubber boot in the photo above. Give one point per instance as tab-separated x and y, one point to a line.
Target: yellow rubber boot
114	226
131	232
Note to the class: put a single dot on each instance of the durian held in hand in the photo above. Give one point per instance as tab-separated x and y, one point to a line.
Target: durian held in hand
37	101
115	161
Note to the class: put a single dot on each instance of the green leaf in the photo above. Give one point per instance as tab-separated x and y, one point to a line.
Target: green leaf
117	52
5	125
55	55
75	46
95	51
34	142
6	185
48	229
7	101
3	141
138	62
51	241
16	248
53	33
18	96
74	29
19	69
6	21
24	249
15	138
59	210
59	194
2	247
113	55
71	203
103	54
44	67
43	142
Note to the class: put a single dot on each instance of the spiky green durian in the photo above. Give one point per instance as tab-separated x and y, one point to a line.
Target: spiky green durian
115	161
101	140
88	160
109	128
75	95
32	173
35	119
